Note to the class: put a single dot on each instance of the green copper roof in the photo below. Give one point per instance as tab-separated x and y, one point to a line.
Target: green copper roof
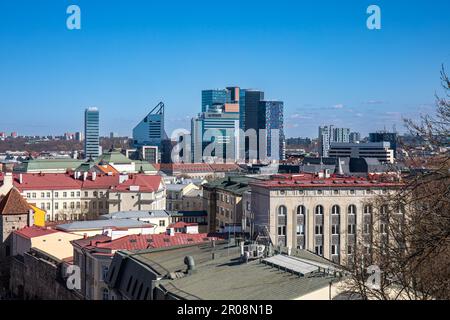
114	157
48	164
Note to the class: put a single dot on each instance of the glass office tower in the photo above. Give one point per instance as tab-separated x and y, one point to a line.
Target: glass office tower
214	96
91	133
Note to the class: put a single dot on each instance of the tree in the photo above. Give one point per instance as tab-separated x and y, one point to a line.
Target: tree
408	233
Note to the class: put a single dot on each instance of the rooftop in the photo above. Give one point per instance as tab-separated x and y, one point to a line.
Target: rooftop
14	204
34	231
136	214
102	224
307	180
226	277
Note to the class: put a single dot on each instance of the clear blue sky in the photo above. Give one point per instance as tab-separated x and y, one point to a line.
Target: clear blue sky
316	56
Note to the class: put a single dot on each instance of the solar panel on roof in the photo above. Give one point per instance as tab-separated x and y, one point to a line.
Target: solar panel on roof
290	264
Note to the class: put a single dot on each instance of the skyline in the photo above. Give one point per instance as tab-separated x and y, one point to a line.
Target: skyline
320	59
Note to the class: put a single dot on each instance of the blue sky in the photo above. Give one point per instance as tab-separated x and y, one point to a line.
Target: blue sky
316	56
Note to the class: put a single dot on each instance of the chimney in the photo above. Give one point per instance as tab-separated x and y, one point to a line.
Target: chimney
189	261
94	176
20	178
85	176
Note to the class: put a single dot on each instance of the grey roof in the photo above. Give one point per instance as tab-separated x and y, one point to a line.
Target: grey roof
176	186
242	281
136	214
194	193
100	224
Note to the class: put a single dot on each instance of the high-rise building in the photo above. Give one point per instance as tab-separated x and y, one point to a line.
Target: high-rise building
213	97
91	133
150	131
383	136
355	137
270	118
215	125
329	134
250	108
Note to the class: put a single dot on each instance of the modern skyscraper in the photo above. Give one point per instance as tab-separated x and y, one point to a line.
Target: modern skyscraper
91	133
270	118
214	96
218	126
150	131
341	135
251	108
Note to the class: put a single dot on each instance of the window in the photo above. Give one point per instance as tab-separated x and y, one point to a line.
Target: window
300	229
352	191
64	194
48	205
48	194
319	250
78	193
335	229
56	205
162	223
95	193
105	294
86	194
56	194
282	211
384	209
72	205
42	195
319	210
28	195
351	229
366	228
335	209
78	204
334	249
319	230
43	206
301	210
367	209
34	195
352	209
104	272
281	230
64	205
336	192
319	191
383	228
349	249
72	194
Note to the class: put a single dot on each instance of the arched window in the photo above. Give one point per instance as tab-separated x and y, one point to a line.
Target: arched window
301	210
352	209
367	209
335	209
105	294
282	211
319	209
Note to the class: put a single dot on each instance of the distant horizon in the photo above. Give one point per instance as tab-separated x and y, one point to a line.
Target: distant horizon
319	58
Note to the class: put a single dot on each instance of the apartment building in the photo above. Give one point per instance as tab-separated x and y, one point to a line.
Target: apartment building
175	195
78	196
323	215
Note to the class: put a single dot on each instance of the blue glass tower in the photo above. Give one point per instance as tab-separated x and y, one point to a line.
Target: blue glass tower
91	133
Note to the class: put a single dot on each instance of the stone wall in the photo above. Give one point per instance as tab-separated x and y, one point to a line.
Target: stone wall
38	277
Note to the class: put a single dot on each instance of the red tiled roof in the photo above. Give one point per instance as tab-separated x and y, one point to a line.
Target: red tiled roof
140	242
14	204
145	183
64	181
46	181
308	180
91	242
34	231
181	224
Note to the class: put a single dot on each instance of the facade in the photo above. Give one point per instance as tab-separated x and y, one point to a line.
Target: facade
89	195
219	126
150	131
355	137
213	97
375	150
323	215
222	200
91	133
175	194
390	137
331	134
53	242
